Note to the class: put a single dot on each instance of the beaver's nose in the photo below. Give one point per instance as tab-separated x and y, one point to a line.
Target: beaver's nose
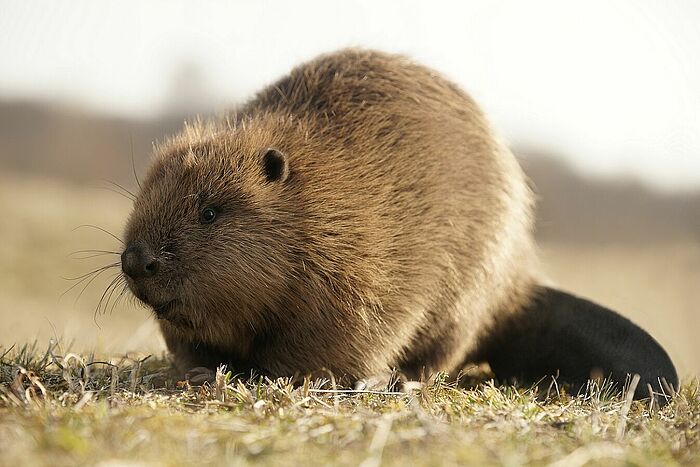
138	262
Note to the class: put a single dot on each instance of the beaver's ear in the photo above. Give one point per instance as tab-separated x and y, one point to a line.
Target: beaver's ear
276	165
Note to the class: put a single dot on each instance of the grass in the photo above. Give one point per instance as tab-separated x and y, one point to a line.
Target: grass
68	409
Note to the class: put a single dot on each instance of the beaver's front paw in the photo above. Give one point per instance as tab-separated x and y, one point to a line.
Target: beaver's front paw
197	376
388	381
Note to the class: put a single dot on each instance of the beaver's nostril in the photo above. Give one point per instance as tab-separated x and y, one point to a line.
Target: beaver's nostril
137	262
151	267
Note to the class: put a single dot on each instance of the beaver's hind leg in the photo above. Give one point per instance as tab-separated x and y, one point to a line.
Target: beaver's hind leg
561	335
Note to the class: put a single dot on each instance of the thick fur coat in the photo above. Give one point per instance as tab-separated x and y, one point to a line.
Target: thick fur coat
365	218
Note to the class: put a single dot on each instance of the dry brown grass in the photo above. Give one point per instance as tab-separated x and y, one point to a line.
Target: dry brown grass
70	409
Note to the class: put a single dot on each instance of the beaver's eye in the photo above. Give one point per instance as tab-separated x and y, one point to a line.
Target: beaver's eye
207	216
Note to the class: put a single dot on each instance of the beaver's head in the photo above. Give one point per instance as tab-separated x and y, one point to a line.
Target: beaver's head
206	245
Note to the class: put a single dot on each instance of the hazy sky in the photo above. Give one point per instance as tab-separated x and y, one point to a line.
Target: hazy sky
612	86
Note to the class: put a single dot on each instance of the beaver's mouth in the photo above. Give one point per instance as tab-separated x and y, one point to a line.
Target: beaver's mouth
169	310
160	305
163	310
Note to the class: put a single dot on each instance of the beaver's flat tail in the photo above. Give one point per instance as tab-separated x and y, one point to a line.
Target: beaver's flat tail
559	334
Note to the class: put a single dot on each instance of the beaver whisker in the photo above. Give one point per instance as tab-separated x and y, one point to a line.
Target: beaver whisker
133	164
100	229
107	290
94	251
90	256
95	274
117	282
87	284
111	265
125	287
125	193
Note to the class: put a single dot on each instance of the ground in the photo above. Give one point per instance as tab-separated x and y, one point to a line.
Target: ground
68	409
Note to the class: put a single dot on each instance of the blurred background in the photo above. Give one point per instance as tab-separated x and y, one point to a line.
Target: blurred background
599	100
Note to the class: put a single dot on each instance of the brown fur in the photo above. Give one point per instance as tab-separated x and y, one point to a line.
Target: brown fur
401	234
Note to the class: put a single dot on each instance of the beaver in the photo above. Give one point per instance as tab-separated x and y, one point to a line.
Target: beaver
359	216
